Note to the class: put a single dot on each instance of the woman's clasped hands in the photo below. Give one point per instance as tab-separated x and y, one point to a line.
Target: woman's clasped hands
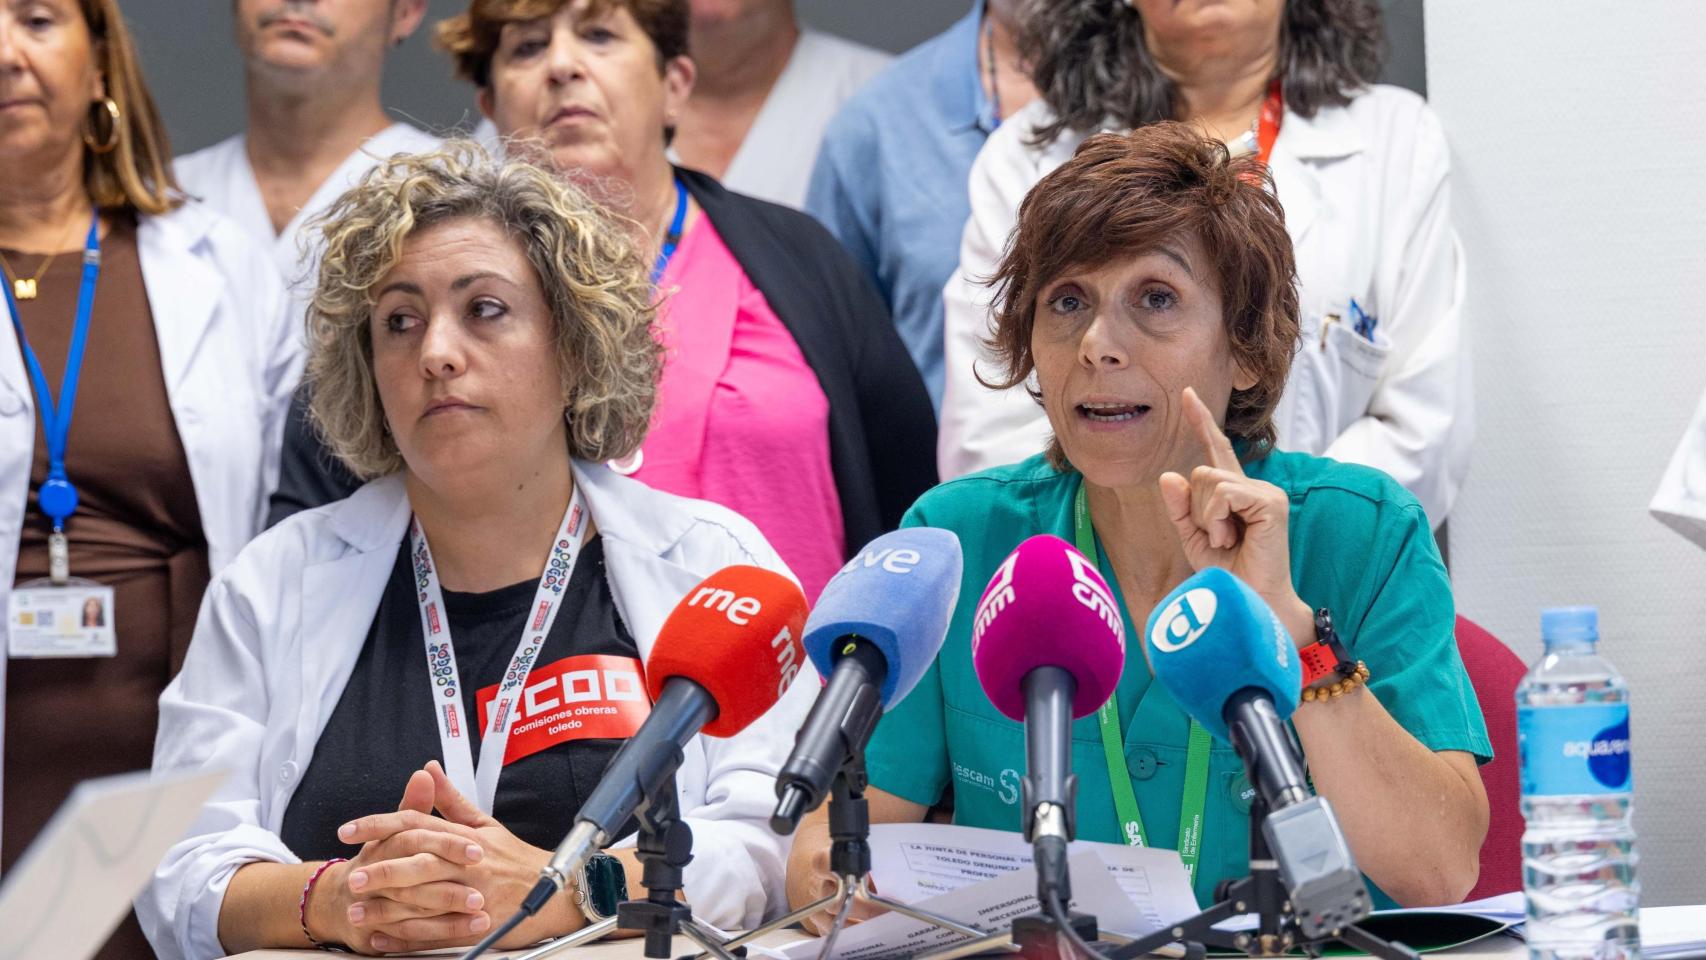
423	881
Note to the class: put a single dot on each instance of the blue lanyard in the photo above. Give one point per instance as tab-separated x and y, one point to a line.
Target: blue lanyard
673	237
57	497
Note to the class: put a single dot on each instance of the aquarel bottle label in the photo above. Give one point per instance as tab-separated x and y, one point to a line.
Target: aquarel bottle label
1574	751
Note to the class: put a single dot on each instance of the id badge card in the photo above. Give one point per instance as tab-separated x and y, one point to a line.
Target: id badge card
73	620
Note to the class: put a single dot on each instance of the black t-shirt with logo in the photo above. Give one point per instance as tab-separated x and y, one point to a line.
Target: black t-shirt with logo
385	727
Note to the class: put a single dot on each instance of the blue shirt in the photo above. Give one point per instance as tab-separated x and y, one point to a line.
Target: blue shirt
890	180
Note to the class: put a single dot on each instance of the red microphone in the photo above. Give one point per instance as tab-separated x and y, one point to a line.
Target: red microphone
724	656
737	636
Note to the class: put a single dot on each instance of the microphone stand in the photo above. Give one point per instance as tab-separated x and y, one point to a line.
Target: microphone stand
850	858
1039	934
665	846
1278	929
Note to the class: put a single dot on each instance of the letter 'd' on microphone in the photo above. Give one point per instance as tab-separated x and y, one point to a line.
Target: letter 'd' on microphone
1047	606
1214	636
714	632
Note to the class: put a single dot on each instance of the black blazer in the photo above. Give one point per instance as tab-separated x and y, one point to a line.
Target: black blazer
882	429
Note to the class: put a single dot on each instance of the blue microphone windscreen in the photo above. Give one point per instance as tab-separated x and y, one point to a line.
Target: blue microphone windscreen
1214	636
898	594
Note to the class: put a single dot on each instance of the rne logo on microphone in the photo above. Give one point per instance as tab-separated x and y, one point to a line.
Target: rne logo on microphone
999	595
1184	620
739	610
787	659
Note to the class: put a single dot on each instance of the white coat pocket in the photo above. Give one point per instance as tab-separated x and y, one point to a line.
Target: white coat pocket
1340	370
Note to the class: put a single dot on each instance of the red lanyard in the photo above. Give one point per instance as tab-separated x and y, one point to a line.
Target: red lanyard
1267	127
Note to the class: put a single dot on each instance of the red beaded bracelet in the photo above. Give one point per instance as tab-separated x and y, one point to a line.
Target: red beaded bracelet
302	904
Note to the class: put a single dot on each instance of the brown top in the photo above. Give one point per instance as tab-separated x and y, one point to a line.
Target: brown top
137	528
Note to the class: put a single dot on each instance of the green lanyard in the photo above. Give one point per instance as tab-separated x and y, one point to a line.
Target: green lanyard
1195	798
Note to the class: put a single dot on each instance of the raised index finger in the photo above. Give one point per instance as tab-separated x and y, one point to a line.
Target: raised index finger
1214	443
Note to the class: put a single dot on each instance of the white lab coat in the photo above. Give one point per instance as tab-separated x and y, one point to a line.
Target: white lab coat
221	177
775	159
279	635
230	359
1680	501
1367	197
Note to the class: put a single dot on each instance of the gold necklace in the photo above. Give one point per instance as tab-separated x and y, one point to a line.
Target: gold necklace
26	288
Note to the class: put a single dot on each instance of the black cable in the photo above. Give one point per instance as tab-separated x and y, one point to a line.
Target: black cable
541	894
1057	913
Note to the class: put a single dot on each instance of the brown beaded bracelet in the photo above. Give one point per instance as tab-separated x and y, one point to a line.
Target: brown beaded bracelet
1357	678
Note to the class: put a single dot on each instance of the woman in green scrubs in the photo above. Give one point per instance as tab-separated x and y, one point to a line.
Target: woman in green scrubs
1148	287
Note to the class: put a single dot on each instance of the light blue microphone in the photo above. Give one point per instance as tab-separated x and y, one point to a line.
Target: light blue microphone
1220	651
877	628
1213	638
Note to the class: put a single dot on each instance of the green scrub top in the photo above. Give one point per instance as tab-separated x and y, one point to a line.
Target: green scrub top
1360	546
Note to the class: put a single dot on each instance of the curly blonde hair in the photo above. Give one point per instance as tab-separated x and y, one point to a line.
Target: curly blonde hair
596	285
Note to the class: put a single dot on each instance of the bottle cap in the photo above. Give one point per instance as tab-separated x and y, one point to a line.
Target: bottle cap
1569	625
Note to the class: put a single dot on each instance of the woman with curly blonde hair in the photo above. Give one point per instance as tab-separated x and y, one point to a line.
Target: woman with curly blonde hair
480	342
785	394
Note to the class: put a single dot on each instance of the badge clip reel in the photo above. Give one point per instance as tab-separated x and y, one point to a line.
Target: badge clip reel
61	615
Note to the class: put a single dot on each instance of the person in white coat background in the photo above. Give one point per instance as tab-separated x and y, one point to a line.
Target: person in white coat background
1382	374
145	366
481	343
1680	501
311	76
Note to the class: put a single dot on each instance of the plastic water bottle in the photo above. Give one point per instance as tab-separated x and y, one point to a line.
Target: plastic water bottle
1578	851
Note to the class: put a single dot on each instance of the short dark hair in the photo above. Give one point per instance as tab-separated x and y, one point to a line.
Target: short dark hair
1091	66
1124	194
471	38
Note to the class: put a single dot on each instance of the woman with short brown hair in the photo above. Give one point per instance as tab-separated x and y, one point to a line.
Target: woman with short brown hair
1148	289
1361	168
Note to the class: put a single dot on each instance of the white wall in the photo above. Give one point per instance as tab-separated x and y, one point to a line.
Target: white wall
1578	132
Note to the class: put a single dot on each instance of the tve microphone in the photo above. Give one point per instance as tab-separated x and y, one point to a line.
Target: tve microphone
1048	646
724	656
1221	652
875	630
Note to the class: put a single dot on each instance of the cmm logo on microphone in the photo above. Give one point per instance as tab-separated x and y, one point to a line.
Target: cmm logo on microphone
1184	620
996	597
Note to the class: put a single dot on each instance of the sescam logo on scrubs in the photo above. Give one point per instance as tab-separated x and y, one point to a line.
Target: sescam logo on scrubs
1184	620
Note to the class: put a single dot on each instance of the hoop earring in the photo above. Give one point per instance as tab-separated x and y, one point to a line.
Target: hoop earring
114	119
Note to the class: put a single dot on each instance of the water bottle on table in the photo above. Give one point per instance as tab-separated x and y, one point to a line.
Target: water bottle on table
1578	851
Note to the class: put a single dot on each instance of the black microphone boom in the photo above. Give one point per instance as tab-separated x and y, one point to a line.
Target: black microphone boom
639	768
1265	746
835	732
1307	844
1049	790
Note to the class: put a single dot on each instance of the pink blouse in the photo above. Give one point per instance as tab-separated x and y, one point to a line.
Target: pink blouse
741	419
